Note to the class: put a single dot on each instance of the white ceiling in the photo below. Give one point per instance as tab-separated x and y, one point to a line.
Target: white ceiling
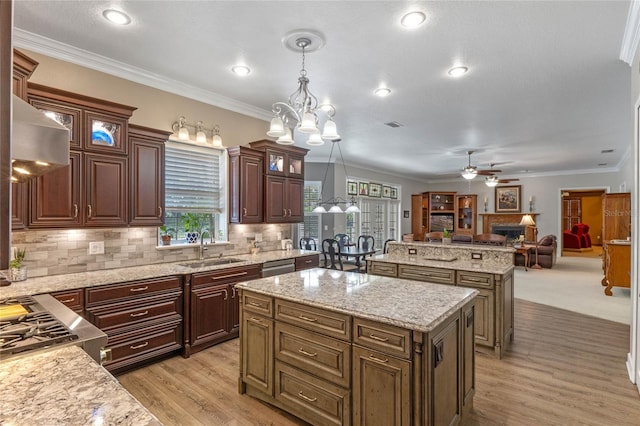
546	90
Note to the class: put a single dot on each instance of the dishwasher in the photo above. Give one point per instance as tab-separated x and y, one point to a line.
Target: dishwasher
277	267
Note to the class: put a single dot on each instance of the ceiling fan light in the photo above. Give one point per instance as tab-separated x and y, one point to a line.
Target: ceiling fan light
286	138
276	129
491	181
330	131
469	173
308	123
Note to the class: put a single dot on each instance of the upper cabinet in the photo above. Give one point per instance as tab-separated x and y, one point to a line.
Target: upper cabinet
23	67
246	183
467	214
282	160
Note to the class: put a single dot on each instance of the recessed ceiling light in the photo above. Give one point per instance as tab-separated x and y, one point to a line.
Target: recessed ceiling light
241	70
602	164
382	92
116	17
606	151
413	19
457	71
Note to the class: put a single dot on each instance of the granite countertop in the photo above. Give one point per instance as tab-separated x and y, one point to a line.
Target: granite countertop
475	247
457	264
65	386
55	283
408	304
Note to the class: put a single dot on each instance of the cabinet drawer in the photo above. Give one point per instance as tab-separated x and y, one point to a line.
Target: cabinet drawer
319	320
117	315
383	337
257	303
383	268
310	398
130	349
321	356
227	275
475	279
424	273
307	262
72	299
113	292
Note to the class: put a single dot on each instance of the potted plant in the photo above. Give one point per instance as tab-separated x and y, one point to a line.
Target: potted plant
17	269
446	237
193	224
166	234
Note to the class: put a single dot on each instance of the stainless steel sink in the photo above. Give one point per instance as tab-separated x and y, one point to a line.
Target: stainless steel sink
211	262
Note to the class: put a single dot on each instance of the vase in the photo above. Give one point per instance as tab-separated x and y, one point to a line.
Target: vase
192	237
446	240
166	240
18	274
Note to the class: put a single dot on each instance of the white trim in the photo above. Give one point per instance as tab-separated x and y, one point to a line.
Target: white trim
26	40
633	361
631	37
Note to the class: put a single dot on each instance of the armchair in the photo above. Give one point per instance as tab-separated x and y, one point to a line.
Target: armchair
577	239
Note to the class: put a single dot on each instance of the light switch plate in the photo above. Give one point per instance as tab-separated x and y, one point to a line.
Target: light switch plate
413	251
258	237
278	235
96	247
477	256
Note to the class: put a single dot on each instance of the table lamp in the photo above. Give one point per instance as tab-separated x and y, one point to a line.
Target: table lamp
527	221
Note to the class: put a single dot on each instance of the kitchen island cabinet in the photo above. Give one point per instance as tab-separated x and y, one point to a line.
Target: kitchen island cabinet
324	348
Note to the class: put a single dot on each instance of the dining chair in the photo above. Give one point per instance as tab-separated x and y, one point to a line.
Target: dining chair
307	243
342	239
385	249
366	242
331	253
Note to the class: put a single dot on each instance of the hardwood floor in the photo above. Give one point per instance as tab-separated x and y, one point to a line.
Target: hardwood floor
563	368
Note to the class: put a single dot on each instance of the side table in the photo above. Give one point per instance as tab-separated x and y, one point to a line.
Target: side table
524	251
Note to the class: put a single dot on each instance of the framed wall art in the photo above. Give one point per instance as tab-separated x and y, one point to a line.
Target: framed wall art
508	199
352	188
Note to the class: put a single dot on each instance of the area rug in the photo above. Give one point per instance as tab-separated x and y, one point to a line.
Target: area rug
574	284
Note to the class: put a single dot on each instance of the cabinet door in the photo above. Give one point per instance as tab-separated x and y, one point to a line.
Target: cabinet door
373	372
19	215
295	193
257	352
234	312
55	196
468	354
245	188
275	199
445	392
147	181
484	318
106	191
209	315
105	133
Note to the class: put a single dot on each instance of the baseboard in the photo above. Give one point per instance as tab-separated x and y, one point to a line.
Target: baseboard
634	376
580	250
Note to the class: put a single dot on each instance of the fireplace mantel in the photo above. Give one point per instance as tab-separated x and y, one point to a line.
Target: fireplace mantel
489	219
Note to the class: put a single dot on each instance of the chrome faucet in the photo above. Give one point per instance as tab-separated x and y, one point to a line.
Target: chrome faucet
202	247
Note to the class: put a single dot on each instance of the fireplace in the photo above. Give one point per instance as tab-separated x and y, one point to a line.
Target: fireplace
489	220
512	232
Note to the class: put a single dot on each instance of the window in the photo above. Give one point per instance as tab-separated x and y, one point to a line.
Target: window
193	190
378	217
312	221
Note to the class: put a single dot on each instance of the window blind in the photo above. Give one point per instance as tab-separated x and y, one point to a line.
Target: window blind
192	178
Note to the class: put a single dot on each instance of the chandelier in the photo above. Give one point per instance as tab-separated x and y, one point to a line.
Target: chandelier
336	201
301	110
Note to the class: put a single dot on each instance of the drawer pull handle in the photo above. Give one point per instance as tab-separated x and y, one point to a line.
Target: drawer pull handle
75	211
308	261
256	319
309	354
379	339
226	294
139	314
159	211
244	211
68	300
221	277
256	304
89	208
376	359
136	290
139	346
233	292
302	317
306	398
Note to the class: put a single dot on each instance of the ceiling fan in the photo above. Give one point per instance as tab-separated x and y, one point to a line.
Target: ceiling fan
492	179
470	172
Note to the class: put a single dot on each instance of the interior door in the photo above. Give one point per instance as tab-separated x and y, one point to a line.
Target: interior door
571	211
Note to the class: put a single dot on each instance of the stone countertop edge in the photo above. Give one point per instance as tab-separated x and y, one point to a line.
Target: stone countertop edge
461	265
408	312
481	247
66	386
54	283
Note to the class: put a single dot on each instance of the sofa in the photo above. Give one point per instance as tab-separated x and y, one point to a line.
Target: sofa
547	248
577	238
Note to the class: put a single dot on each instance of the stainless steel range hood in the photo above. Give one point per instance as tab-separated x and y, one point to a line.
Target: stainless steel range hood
38	143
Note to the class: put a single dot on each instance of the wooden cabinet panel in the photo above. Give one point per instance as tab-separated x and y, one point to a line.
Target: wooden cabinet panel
104	133
485	318
425	273
146	158
295	202
382	337
307	262
226	275
617	266
315	319
209	315
56	196
467	214
19	205
382	268
135	289
616	216
468	354
275	199
246	183
66	115
106	191
257	303
257	352
475	279
373	370
72	299
23	67
446	393
234	312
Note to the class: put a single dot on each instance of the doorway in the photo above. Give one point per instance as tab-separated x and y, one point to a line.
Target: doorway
582	206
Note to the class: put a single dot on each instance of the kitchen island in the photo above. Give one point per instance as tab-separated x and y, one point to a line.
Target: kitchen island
336	347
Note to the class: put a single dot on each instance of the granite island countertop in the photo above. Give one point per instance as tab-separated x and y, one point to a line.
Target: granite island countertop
408	304
446	262
53	283
65	387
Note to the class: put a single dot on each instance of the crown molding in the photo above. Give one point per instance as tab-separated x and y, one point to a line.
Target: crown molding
631	37
27	40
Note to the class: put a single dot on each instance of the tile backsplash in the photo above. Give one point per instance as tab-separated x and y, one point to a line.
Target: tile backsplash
63	251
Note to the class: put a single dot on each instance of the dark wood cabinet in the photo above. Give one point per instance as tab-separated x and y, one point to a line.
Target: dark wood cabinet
56	196
245	185
23	67
72	299
19	204
106	191
146	161
214	306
